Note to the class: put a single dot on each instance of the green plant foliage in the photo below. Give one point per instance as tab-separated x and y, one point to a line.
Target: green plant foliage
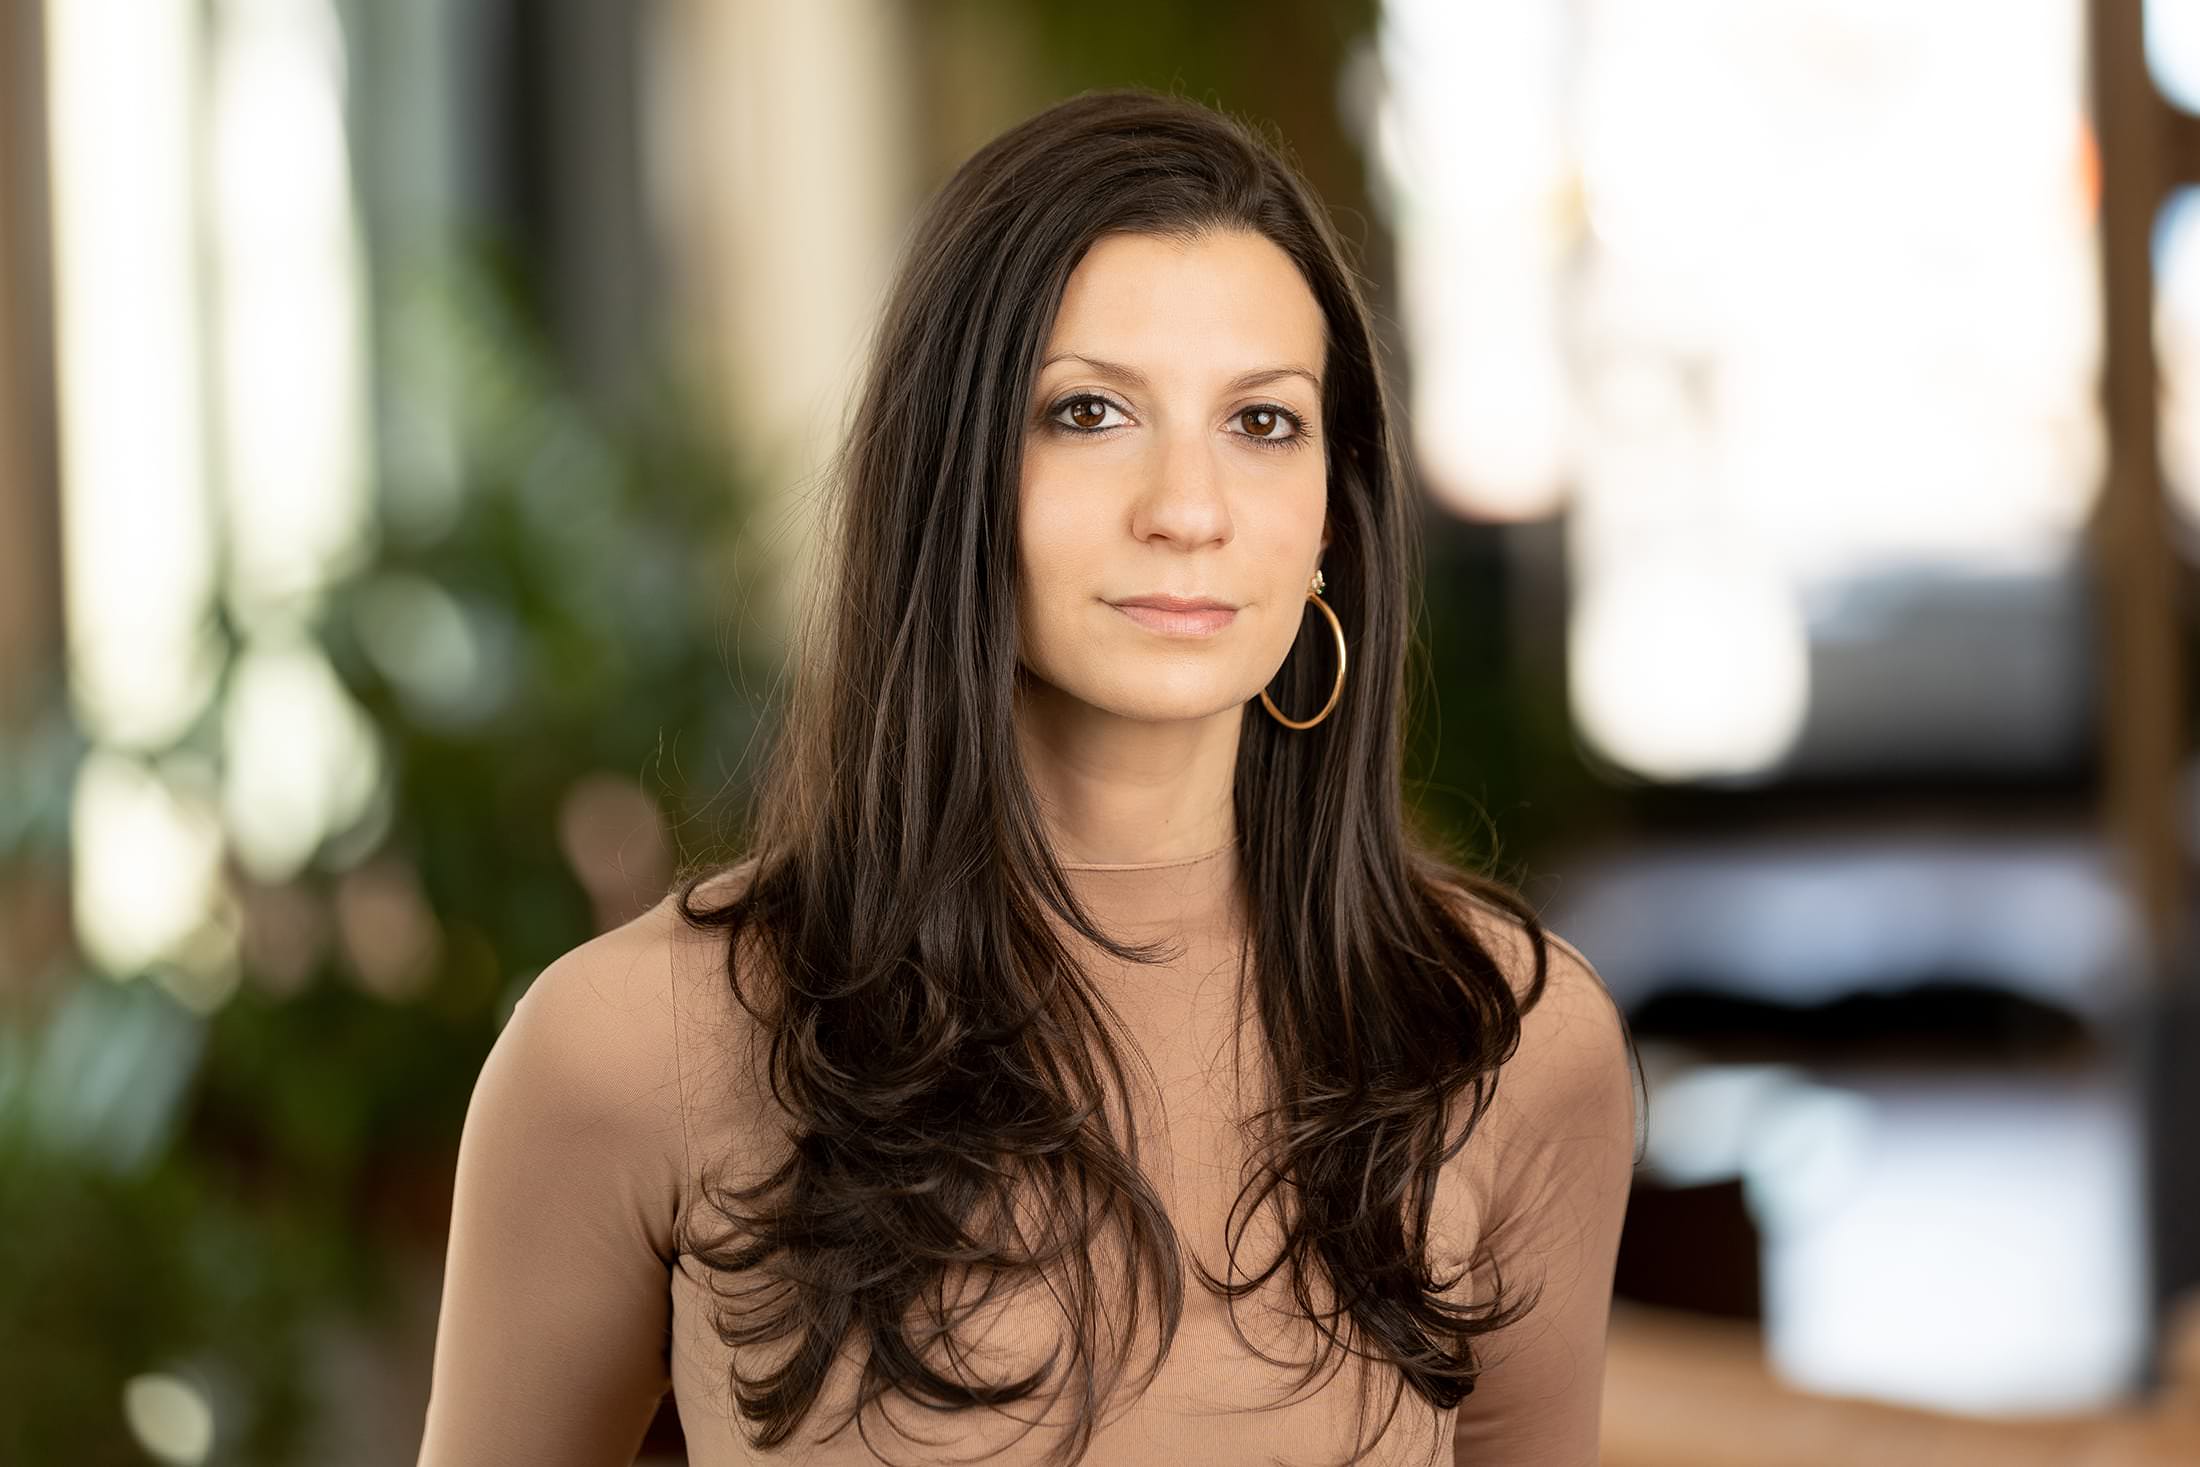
200	1195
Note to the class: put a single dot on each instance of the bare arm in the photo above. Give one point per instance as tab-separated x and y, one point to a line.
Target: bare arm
551	1345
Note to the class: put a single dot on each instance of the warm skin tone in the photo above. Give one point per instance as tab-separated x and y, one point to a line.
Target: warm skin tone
1187	483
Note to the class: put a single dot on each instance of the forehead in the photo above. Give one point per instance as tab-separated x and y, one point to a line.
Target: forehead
1227	300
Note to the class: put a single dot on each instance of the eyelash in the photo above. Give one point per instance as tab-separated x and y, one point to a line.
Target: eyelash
1299	430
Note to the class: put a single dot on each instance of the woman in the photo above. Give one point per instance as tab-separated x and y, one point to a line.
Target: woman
1084	1062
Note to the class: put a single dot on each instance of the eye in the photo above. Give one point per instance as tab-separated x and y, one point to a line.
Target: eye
1088	412
1265	419
1084	415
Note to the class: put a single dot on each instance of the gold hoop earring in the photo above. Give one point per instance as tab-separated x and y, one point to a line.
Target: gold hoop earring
1313	594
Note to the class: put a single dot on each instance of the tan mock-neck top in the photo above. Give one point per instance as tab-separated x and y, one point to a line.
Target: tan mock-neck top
569	1308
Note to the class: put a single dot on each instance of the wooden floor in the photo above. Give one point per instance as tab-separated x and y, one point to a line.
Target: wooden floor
1690	1391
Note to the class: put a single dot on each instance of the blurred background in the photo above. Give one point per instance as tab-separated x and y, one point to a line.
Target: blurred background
410	415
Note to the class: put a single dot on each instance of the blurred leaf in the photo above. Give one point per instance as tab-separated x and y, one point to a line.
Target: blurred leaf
199	1195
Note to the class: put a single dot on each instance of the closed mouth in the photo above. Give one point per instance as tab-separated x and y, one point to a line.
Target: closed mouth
1176	603
1178	617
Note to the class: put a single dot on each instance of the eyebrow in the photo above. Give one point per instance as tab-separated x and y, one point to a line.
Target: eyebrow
1132	377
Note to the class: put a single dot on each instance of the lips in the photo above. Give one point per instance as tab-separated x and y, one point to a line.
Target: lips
1178	616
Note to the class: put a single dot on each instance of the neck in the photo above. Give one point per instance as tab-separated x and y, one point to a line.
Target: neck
1128	792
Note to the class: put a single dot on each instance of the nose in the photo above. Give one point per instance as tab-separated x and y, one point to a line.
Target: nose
1184	500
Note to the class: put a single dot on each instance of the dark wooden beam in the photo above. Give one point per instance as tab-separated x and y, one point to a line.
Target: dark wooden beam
34	899
2142	149
2145	150
30	542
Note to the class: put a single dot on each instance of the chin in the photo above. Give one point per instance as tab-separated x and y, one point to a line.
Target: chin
1161	701
1138	688
1175	713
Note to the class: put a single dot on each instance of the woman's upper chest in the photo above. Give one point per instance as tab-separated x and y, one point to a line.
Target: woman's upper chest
1196	1062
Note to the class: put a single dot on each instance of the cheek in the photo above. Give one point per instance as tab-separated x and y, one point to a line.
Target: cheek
1292	546
1046	541
1062	525
1053	546
1292	533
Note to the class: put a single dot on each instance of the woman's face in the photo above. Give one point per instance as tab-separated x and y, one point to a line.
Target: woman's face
1175	449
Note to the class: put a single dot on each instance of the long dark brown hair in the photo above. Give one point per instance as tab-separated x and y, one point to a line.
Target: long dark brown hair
934	1041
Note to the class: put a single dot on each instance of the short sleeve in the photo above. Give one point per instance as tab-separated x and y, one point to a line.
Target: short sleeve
1561	1148
552	1341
